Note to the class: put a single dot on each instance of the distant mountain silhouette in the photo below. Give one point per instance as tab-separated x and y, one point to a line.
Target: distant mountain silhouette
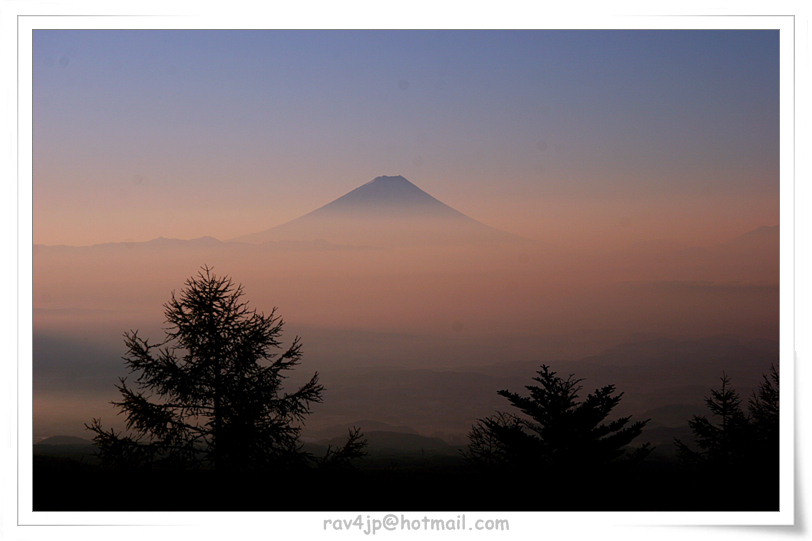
763	231
64	440
381	442
755	241
62	447
198	245
387	211
340	430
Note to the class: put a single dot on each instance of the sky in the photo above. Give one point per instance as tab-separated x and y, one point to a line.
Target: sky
582	138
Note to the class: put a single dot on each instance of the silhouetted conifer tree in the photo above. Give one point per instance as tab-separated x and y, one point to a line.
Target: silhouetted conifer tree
558	434
215	389
763	407
737	450
736	441
723	444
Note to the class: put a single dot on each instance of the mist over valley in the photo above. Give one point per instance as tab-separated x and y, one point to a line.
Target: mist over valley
415	315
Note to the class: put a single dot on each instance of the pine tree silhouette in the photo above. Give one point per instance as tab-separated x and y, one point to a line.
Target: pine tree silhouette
215	398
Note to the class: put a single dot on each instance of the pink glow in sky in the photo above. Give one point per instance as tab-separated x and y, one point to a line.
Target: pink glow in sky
562	136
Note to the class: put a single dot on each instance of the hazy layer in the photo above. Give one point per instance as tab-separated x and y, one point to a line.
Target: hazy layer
415	308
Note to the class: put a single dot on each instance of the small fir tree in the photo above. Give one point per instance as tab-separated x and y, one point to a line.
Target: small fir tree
558	433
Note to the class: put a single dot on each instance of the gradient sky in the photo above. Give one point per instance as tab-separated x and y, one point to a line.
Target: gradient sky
567	136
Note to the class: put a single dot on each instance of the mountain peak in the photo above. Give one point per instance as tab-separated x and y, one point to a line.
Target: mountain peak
393	182
387	179
388	210
388	197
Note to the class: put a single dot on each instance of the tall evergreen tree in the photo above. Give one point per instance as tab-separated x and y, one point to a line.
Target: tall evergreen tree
723	444
735	449
215	389
737	439
764	416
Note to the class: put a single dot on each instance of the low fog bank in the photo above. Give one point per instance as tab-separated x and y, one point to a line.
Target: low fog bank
663	379
516	290
424	337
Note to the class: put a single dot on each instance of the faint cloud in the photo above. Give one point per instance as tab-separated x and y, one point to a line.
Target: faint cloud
403	84
64	61
138	180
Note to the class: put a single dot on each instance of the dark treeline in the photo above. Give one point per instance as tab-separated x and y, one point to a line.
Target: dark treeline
735	469
210	428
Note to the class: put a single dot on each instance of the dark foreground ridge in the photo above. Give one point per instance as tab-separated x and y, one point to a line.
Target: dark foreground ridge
727	462
402	481
209	427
